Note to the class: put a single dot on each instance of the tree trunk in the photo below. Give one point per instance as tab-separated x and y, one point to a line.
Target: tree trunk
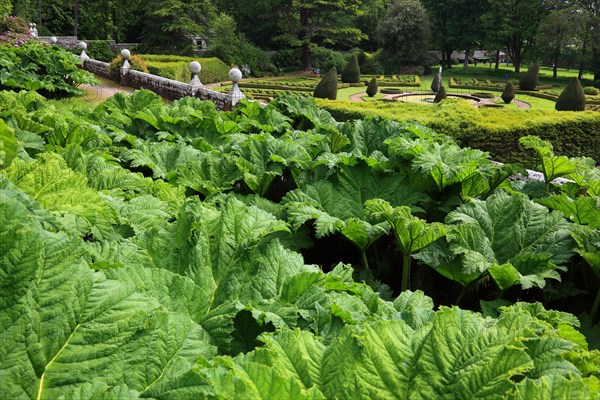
514	52
497	59
555	62
304	36
466	60
448	58
75	17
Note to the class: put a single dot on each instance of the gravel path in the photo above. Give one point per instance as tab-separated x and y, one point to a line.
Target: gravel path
104	91
520	104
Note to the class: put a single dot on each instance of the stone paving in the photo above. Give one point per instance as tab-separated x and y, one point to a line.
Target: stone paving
482	102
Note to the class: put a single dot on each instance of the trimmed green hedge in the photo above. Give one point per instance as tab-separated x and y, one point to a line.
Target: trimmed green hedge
177	68
494	130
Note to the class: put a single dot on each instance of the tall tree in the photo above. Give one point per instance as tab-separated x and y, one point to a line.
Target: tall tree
255	19
591	10
299	23
168	24
515	24
75	17
5	8
560	29
327	21
371	14
404	35
456	25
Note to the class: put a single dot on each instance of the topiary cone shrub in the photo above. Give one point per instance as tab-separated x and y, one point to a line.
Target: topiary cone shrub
327	87
529	81
509	93
372	88
441	94
572	98
351	73
436	83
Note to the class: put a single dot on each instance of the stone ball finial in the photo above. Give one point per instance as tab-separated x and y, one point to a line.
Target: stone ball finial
125	54
53	40
195	67
235	75
82	45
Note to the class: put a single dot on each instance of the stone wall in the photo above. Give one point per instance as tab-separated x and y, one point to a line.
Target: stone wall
164	87
97	67
222	100
67	42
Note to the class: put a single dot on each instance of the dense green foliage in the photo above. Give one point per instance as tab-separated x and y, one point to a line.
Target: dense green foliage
496	131
136	63
100	50
372	87
48	69
572	97
174	251
178	68
233	48
404	41
508	94
351	73
327	87
530	79
12	24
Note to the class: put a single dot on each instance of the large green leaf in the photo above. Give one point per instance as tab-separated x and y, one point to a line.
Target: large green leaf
550	388
67	329
208	174
582	210
508	233
412	233
8	145
454	354
551	166
64	192
161	158
446	163
339	205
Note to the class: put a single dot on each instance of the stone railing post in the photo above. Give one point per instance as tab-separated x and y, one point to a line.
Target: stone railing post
125	67
195	83
235	94
82	46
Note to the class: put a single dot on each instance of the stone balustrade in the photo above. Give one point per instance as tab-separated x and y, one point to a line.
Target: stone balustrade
164	87
97	67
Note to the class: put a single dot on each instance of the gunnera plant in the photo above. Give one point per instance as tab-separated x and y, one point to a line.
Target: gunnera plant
572	98
327	87
440	95
351	73
529	81
372	88
509	93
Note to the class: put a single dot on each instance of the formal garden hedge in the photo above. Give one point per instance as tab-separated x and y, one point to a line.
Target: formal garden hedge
497	131
177	68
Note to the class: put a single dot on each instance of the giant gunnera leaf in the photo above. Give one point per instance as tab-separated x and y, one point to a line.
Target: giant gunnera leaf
455	354
338	205
67	331
512	238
